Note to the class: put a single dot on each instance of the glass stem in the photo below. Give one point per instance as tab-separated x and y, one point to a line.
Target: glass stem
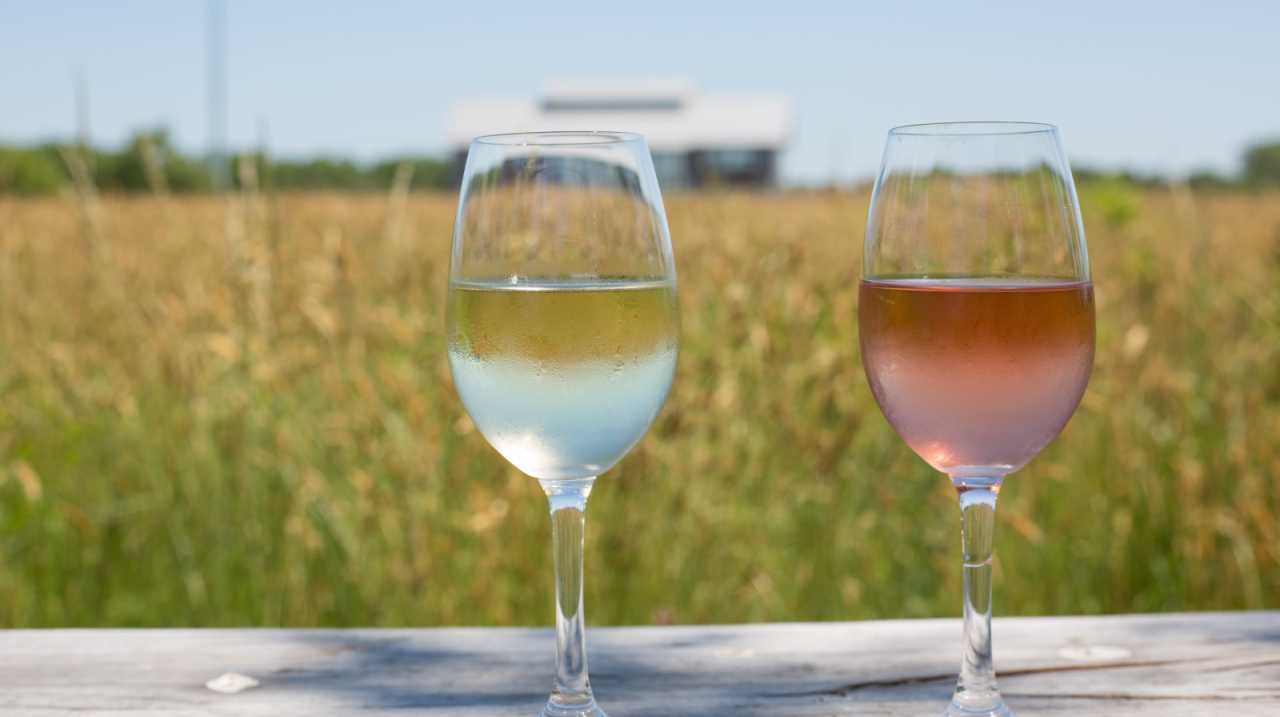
976	691
572	694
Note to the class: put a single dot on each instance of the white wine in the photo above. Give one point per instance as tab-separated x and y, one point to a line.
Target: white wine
564	377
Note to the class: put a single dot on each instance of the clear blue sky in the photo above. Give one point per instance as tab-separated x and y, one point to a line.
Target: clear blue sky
1159	86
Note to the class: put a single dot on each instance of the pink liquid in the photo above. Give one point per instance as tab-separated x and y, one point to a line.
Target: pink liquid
977	375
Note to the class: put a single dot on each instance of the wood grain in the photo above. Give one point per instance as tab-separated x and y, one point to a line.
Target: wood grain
1176	664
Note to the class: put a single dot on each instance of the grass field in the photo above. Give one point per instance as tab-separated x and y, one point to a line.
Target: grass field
238	412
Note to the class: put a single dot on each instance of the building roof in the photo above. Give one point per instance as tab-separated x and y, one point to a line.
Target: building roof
671	114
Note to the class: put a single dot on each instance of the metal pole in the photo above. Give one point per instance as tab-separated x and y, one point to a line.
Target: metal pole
219	171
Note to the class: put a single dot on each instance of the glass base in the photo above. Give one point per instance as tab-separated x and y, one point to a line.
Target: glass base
1000	709
587	709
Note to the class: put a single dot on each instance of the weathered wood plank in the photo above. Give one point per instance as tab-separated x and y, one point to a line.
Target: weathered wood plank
1185	664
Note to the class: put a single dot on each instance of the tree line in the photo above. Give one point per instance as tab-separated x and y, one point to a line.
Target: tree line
148	162
1260	169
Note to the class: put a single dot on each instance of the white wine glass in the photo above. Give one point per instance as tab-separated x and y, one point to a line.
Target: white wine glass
562	330
975	316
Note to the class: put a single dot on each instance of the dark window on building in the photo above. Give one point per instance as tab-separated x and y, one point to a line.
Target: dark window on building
672	170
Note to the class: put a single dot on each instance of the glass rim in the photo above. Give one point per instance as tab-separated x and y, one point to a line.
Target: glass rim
559	138
978	128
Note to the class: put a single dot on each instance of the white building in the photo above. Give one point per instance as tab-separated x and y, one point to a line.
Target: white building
696	139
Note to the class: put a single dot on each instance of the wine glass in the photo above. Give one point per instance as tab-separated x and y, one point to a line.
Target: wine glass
975	317
562	326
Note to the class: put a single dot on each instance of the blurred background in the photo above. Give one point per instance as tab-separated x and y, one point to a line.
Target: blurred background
224	232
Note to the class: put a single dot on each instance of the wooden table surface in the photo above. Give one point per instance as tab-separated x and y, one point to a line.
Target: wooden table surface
1173	664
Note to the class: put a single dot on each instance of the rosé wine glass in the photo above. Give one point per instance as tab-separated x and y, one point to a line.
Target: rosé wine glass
975	316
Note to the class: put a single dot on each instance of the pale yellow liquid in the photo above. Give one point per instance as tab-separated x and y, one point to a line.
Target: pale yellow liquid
563	378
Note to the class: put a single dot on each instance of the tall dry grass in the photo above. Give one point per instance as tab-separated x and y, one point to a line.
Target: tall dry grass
238	411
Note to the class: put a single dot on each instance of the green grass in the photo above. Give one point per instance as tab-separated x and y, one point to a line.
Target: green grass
239	413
